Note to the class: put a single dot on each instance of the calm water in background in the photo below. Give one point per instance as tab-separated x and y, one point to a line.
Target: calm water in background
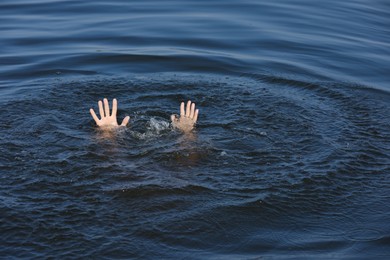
291	153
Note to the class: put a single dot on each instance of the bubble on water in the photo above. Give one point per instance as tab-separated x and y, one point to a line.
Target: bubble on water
157	126
154	128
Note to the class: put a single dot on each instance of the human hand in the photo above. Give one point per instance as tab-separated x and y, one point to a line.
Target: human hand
107	120
187	119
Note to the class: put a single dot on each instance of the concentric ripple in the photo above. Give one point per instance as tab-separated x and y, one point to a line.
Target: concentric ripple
270	164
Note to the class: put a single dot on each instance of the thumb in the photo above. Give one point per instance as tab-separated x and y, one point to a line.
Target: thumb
174	118
125	121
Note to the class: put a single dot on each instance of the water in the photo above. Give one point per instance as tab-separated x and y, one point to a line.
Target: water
290	157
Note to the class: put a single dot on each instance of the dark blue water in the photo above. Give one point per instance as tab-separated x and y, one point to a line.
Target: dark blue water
290	157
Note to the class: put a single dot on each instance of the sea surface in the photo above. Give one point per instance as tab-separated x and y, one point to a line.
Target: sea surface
290	157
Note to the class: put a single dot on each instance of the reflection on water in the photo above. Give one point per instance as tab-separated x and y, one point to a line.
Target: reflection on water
267	169
290	155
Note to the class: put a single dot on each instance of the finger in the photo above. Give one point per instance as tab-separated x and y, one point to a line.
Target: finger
114	107
106	107
174	118
188	108
101	111
182	113
94	116
125	121
196	115
192	112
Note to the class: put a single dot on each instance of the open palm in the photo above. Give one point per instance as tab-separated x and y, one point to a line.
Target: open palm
188	117
107	119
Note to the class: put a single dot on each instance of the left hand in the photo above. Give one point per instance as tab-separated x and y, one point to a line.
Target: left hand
107	119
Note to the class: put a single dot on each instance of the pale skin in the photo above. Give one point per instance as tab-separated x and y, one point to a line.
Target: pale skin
186	122
188	117
108	120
